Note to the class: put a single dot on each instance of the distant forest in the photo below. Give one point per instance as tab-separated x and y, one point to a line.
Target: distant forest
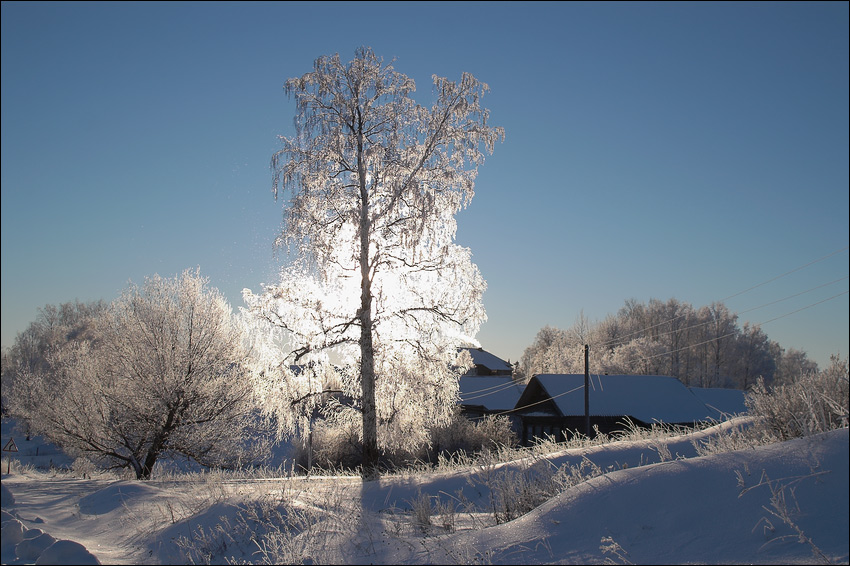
702	347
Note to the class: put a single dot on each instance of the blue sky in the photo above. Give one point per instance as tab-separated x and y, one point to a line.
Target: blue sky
653	150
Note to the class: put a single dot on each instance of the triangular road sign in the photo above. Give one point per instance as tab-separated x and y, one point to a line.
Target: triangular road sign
10	446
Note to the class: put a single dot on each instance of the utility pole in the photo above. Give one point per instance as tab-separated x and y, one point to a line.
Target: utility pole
586	394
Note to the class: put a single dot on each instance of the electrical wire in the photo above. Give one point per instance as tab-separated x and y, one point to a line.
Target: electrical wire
715	339
644	330
496	389
618	341
479	393
845	248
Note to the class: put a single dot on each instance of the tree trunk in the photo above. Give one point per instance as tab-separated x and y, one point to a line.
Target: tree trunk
150	461
369	462
367	381
158	443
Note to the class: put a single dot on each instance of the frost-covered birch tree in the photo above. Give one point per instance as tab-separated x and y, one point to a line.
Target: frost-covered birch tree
374	278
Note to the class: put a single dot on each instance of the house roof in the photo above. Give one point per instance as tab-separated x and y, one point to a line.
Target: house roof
721	401
493	393
481	357
649	398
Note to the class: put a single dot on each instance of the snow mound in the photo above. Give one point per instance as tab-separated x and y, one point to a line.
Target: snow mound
67	552
22	545
6	498
114	496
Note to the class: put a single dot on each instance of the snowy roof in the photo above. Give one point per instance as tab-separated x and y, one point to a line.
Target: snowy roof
481	357
649	398
721	401
493	393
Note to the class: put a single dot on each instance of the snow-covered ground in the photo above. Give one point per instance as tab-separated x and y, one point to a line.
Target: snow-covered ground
658	502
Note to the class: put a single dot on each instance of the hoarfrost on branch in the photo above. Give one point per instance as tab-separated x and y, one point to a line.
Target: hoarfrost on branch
375	281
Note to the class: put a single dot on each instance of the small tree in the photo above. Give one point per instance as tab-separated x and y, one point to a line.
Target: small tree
54	328
792	364
551	352
166	376
375	277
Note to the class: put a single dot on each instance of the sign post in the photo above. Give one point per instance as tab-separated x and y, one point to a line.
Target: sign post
586	394
10	447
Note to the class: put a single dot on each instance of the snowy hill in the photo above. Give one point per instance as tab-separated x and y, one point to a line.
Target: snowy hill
657	502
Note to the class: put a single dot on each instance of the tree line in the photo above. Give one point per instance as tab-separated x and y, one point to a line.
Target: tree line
169	371
702	347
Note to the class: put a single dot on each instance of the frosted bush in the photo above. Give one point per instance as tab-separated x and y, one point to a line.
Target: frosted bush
463	436
737	437
816	402
420	509
529	482
83	468
335	444
516	492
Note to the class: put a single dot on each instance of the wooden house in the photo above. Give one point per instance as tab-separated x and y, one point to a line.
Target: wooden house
481	396
489	389
486	364
553	404
721	402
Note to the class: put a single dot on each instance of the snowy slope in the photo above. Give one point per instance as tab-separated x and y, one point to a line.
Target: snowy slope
713	510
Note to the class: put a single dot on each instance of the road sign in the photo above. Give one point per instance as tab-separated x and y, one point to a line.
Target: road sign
10	447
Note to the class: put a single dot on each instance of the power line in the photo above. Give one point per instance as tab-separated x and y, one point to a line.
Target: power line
479	393
643	331
581	387
796	294
806	307
717	338
784	274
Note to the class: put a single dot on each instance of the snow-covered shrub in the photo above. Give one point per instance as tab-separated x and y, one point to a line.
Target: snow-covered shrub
816	402
463	435
266	529
83	468
446	513
516	492
733	436
427	511
420	509
277	527
528	482
494	431
159	374
335	443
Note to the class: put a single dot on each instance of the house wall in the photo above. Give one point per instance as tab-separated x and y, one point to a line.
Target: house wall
567	428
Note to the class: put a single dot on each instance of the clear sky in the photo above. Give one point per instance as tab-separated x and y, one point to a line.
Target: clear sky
653	150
